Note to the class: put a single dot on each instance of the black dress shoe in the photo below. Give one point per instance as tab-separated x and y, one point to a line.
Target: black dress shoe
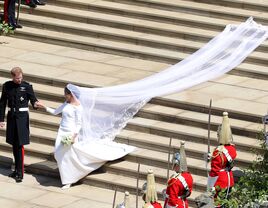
32	4
14	174
18	179
39	2
17	26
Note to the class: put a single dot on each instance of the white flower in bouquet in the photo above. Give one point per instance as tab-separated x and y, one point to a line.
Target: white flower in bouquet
67	140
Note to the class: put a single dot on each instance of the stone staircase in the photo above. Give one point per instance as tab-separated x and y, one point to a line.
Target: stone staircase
150	131
158	30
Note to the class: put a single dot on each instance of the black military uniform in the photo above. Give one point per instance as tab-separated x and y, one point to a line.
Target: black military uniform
17	97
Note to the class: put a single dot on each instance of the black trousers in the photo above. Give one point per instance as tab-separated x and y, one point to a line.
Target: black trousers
18	153
9	11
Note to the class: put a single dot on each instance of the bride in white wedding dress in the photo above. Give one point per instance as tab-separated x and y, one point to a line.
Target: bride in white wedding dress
78	158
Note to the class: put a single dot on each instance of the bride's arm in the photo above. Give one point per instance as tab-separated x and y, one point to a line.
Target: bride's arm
78	121
55	111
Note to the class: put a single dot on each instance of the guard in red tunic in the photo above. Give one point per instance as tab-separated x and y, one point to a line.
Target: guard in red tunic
180	184
150	194
222	160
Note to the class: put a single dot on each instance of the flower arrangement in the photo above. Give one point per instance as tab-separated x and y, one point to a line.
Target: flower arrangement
67	140
5	29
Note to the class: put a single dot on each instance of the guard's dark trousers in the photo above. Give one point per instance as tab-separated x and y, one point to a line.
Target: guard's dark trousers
9	11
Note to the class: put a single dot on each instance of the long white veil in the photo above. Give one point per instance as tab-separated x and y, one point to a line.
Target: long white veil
108	109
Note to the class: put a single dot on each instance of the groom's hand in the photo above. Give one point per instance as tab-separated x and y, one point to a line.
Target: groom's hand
38	104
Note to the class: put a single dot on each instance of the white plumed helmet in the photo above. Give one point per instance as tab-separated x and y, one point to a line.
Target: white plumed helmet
224	131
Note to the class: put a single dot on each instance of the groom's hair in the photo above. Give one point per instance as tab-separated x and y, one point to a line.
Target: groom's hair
16	70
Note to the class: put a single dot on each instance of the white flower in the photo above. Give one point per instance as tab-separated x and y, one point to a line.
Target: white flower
67	140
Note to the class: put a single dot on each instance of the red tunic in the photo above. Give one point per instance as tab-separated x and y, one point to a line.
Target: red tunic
175	190
153	205
219	163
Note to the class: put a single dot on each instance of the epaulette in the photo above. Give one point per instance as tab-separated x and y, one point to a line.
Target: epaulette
25	83
174	176
220	150
8	83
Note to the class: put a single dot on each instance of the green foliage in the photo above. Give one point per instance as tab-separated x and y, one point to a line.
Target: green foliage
252	189
5	29
261	163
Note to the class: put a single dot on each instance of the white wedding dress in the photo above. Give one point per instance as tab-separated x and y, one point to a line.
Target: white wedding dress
78	160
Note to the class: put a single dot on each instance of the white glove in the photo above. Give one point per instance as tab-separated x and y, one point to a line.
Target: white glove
208	157
164	194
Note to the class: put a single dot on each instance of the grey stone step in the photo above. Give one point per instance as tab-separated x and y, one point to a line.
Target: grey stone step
43	167
132	12
118	48
38	150
173	115
149	125
126	22
250	70
98	178
151	141
36	77
144	140
161	143
32	164
130	169
101	45
136	38
188	133
175	101
155	114
186	118
40	136
200	8
197	105
159	112
40	122
145	156
116	34
123	182
43	151
145	12
245	4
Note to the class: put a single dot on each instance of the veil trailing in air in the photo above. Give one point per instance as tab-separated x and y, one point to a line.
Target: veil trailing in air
108	109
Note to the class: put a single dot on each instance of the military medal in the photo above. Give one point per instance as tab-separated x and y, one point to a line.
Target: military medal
22	88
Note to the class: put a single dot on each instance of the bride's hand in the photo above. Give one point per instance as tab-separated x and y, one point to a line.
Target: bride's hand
74	138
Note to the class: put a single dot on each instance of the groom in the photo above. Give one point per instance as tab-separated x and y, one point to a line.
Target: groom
16	94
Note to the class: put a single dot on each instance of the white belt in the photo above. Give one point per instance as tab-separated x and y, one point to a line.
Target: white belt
228	156
20	109
169	206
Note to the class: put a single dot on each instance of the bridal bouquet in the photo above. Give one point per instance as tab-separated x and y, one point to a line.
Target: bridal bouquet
67	140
